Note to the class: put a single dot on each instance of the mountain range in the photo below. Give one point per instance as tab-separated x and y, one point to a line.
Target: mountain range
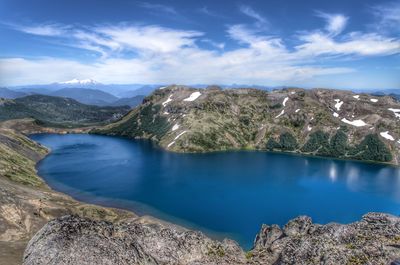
84	91
89	91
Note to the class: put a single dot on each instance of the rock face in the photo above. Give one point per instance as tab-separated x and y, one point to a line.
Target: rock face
73	240
333	123
373	240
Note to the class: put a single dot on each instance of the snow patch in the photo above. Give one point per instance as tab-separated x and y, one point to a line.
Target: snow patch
386	135
280	114
166	113
356	97
357	123
179	135
284	101
175	127
193	96
161	88
81	82
338	104
297	110
167	101
335	115
373	100
396	112
176	138
309	128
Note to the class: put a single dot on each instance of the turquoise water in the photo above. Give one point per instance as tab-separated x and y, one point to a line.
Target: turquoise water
222	194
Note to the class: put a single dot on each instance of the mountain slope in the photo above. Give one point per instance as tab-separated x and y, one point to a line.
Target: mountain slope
58	111
321	122
86	96
11	94
131	102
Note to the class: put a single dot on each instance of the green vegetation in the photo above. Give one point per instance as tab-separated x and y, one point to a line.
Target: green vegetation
373	149
272	144
287	142
18	157
58	112
318	142
338	144
143	122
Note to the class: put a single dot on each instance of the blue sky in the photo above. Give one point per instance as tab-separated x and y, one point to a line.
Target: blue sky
338	44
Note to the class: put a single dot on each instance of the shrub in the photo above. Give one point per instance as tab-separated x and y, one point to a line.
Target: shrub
372	148
287	142
318	140
272	144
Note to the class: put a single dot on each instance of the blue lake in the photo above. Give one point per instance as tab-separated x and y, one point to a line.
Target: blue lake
222	194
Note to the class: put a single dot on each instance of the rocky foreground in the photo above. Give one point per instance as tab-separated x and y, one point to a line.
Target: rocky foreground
74	240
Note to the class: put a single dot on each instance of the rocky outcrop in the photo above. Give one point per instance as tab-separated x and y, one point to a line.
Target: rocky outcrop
373	240
323	122
73	240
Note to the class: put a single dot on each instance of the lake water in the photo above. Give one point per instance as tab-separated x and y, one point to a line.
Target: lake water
222	194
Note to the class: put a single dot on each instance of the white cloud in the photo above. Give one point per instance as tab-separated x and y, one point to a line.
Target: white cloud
148	38
131	53
335	23
42	30
355	43
388	15
248	11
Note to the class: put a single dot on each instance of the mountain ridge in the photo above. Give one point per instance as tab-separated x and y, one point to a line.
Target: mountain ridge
58	111
322	122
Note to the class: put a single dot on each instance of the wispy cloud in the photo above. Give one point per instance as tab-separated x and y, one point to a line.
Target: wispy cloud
388	15
158	7
249	11
42	30
335	23
206	11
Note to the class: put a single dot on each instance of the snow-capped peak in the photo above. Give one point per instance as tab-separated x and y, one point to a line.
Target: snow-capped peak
80	82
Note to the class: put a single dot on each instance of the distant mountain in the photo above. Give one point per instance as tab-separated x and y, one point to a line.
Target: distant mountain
57	111
394	93
87	96
323	122
118	90
8	93
131	102
143	90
